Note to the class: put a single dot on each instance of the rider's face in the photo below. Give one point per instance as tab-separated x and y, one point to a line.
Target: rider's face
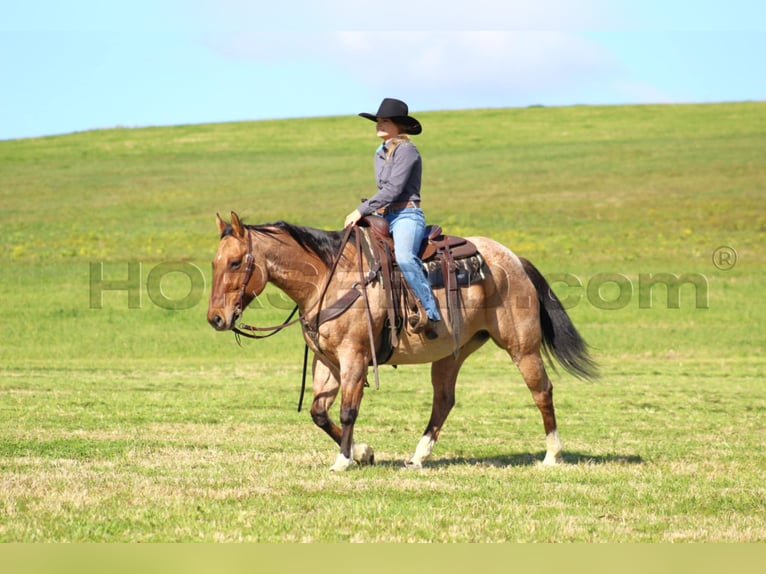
387	128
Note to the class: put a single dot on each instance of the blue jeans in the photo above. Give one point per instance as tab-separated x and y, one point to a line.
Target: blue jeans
408	228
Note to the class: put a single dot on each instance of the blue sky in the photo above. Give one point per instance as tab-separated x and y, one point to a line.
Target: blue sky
74	65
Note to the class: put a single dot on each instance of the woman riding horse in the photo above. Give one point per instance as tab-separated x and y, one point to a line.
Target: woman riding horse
398	169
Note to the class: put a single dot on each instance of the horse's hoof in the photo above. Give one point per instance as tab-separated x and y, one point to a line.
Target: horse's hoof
552	459
341	464
363	454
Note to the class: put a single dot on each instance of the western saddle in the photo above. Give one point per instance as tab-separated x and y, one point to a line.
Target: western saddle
449	263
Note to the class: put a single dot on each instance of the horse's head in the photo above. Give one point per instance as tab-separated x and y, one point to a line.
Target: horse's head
239	274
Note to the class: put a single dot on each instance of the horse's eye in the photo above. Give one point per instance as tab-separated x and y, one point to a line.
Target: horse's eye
235	264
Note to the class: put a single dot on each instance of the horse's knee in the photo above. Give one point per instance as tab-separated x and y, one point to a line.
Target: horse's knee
320	417
348	415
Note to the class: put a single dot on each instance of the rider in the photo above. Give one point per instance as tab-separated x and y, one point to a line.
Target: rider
398	169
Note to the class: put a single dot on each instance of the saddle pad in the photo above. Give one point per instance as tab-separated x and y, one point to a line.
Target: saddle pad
469	270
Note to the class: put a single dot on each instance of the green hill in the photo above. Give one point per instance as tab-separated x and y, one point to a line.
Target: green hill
581	191
648	181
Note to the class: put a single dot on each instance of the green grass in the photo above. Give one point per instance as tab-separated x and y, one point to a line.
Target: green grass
121	424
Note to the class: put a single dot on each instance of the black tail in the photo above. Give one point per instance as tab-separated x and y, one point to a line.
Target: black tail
560	338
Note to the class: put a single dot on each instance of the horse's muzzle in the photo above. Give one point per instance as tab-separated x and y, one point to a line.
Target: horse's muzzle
218	320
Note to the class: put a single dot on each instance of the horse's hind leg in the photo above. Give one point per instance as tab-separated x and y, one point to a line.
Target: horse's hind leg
443	378
533	370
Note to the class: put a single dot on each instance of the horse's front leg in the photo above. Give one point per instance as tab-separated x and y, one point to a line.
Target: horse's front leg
326	387
352	390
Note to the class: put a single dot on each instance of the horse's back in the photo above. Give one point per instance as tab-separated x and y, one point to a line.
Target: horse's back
503	264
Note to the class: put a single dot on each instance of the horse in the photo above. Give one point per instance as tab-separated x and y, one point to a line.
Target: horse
513	305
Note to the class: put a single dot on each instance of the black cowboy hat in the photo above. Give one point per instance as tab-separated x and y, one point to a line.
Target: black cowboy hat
396	111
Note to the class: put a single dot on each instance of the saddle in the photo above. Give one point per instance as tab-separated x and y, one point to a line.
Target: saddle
448	261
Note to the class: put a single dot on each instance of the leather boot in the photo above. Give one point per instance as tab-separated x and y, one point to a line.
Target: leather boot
430	329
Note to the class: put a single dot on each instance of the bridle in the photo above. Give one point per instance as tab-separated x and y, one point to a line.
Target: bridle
273	330
311	324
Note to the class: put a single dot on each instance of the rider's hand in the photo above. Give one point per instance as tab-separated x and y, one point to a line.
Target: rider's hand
352	218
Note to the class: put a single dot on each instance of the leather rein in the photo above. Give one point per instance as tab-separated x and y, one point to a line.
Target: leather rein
311	325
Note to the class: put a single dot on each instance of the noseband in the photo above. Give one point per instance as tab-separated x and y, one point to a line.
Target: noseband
249	268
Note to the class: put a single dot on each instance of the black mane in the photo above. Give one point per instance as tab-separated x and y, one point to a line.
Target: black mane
325	244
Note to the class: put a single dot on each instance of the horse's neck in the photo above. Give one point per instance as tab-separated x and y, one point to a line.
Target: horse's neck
301	275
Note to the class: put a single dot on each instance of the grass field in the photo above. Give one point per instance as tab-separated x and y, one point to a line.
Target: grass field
123	419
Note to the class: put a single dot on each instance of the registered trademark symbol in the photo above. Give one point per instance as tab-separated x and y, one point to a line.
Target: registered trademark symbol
725	258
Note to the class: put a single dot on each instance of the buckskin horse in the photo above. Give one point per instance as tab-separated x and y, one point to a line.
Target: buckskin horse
512	305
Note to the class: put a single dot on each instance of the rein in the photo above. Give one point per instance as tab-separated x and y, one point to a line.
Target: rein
250	268
238	331
312	326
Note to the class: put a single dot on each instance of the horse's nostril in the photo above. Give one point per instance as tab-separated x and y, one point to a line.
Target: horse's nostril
216	321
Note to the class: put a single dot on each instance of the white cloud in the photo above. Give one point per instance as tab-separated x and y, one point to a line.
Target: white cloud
488	67
470	54
484	59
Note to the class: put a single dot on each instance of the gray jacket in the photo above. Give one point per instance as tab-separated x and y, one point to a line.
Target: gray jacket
398	176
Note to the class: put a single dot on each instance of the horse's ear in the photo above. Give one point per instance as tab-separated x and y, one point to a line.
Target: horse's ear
221	224
236	225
